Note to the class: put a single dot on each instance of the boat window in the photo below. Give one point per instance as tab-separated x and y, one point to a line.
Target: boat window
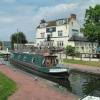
51	60
43	61
24	59
19	57
33	60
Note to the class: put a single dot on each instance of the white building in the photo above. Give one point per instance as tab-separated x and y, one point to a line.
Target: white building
62	32
57	32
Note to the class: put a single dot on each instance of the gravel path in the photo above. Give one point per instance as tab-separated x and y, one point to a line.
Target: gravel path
29	89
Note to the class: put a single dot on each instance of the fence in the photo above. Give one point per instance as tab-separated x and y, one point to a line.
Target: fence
3	58
81	56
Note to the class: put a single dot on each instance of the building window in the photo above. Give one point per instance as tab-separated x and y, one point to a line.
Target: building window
77	44
42	35
48	37
75	32
72	23
60	43
82	44
41	43
60	33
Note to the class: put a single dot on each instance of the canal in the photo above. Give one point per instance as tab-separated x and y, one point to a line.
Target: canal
78	83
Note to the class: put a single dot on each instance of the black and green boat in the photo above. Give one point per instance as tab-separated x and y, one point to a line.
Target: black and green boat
46	64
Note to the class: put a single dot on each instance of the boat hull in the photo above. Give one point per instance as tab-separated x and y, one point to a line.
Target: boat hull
36	69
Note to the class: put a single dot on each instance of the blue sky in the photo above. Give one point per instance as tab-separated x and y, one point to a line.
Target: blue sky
25	15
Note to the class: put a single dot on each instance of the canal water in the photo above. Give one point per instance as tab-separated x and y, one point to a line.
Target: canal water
78	83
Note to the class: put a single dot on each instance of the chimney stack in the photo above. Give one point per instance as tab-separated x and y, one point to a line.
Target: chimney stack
73	16
42	21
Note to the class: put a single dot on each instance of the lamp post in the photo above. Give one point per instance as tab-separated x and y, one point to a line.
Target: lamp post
50	30
17	42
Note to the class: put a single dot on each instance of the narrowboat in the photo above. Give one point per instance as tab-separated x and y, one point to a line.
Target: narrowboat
47	64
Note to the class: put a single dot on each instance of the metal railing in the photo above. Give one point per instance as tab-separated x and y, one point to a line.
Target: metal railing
80	56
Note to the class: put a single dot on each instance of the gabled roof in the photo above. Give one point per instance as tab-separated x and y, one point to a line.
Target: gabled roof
53	23
7	43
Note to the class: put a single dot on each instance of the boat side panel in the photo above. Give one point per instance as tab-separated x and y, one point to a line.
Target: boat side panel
29	57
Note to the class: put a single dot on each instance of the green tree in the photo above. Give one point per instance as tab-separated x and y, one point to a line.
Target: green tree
19	38
0	45
70	50
92	24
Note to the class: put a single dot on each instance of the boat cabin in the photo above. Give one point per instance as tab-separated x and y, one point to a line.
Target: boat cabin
49	60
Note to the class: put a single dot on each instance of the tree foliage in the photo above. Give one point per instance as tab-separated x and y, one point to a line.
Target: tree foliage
70	50
92	24
19	38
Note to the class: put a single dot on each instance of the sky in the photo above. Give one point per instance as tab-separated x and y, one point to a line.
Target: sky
25	15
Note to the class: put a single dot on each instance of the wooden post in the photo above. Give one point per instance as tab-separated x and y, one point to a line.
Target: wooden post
60	55
81	56
7	56
89	57
66	55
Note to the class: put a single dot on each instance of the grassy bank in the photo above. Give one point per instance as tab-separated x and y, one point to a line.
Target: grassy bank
7	87
89	63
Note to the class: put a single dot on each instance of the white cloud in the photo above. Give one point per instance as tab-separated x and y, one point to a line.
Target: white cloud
27	17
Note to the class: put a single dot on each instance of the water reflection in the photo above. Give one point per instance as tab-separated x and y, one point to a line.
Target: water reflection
78	83
83	84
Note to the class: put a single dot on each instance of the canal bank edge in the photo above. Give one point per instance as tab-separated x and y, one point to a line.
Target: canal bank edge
28	86
83	68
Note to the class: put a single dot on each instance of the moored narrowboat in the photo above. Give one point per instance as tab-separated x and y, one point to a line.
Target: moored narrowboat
47	64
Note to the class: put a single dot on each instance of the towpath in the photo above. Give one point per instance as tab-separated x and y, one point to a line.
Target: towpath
84	68
29	89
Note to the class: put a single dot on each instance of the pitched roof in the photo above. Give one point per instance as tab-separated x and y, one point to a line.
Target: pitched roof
7	43
53	23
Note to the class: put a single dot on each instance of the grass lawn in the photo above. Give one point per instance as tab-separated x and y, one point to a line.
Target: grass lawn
81	62
7	87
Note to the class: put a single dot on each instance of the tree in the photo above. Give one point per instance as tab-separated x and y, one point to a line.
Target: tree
92	24
0	45
70	50
18	38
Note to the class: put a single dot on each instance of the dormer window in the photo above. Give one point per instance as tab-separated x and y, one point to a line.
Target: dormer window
42	25
60	21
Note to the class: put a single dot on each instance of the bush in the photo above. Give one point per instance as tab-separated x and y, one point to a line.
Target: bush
77	54
70	50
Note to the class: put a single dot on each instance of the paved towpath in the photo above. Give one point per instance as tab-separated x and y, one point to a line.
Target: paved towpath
29	89
84	68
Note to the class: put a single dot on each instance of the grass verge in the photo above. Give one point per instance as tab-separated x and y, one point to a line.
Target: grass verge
7	87
89	63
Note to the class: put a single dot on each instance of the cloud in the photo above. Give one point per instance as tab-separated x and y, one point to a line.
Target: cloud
26	17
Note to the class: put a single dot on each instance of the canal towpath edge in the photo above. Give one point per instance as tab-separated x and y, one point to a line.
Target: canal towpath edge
29	89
